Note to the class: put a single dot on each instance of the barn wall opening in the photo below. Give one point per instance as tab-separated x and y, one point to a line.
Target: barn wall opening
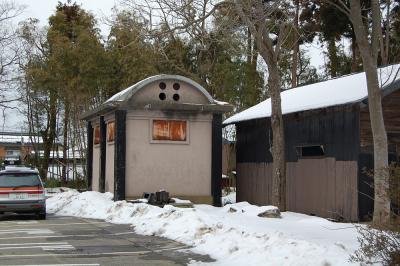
310	151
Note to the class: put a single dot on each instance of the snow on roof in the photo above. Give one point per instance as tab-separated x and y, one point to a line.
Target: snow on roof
59	154
343	90
23	139
127	93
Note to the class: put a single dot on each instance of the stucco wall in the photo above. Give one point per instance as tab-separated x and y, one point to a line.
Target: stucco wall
181	169
109	182
96	167
110	167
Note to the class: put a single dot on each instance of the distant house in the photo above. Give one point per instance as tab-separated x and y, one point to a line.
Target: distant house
328	144
18	147
164	132
17	144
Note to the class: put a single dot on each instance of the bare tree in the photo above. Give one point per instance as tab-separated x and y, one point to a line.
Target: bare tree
189	20
267	22
296	45
9	50
368	31
270	26
38	93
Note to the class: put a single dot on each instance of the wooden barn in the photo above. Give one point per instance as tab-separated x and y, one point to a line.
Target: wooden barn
328	146
164	132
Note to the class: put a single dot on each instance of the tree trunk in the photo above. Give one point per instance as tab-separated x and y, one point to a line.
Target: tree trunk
278	196
249	47
296	45
65	143
381	171
265	46
354	54
278	141
369	55
333	58
50	135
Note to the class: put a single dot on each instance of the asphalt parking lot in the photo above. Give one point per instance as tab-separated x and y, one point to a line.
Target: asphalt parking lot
75	241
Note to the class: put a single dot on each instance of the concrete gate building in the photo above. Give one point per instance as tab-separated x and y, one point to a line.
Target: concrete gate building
164	132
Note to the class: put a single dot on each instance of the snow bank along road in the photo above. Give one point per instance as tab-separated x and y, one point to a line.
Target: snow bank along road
232	235
74	241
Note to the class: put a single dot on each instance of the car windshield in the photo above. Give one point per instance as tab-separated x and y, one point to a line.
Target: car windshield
19	180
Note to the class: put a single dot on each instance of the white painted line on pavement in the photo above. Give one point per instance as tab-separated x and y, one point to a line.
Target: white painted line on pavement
27	244
44	224
67	247
55	265
64	236
43	247
27	231
27	222
19	222
127	253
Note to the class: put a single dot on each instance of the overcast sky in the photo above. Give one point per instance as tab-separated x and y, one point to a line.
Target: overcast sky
42	9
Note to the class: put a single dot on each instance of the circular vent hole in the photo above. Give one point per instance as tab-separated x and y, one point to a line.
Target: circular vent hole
162	96
176	97
176	86
162	85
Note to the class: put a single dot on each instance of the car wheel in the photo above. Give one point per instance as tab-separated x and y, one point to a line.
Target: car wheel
42	216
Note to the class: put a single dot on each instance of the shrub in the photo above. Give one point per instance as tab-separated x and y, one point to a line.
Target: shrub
77	183
52	183
381	243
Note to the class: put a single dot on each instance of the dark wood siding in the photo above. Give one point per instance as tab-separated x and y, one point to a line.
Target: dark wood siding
253	183
253	141
365	187
323	187
337	129
391	113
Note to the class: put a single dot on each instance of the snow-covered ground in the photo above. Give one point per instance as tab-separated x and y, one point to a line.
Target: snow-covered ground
232	235
229	199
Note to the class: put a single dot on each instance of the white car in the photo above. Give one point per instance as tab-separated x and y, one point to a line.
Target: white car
22	191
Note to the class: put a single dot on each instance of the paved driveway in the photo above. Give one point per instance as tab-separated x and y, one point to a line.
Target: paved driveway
75	241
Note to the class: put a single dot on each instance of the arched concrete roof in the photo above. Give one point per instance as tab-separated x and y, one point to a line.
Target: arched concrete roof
129	92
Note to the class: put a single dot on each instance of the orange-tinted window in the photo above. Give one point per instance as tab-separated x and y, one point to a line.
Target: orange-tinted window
96	135
110	131
172	130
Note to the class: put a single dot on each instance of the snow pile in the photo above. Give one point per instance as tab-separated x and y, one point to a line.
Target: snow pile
50	192
231	237
229	199
181	201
